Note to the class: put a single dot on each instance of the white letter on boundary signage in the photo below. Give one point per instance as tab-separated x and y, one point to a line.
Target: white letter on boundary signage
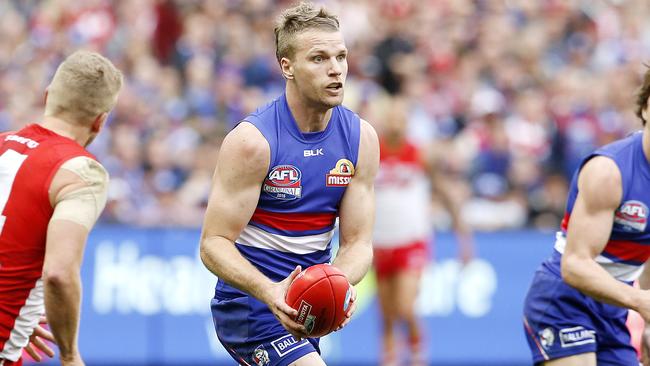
125	282
447	285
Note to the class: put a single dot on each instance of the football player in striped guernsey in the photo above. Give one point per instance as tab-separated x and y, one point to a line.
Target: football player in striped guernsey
283	177
577	304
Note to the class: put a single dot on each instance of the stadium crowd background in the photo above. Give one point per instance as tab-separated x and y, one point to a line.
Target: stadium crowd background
509	94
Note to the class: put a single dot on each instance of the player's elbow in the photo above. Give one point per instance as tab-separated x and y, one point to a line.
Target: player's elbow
204	253
571	269
60	278
208	254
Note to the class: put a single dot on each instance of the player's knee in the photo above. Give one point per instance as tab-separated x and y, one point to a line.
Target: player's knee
405	311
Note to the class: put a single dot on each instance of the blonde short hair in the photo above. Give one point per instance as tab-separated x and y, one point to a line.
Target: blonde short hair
302	17
85	85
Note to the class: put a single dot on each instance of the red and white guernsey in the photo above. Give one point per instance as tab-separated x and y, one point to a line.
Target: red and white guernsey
403	198
29	158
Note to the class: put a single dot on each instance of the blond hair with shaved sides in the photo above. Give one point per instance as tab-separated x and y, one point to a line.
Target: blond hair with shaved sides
302	17
84	86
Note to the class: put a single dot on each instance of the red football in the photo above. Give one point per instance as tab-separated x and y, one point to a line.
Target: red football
321	294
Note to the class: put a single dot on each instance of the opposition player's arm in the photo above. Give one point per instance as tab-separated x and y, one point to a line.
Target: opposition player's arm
357	211
78	195
441	187
590	226
241	168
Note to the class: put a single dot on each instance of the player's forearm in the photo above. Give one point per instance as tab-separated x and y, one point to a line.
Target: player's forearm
591	279
62	302
222	258
354	260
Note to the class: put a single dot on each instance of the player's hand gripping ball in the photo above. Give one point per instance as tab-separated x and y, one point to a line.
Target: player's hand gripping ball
321	294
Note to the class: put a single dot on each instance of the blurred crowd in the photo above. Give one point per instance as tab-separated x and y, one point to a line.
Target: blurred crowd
509	94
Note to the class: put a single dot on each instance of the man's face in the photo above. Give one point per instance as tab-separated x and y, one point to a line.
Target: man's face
319	67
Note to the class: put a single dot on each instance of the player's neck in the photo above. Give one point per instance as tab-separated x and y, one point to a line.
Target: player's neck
308	118
67	129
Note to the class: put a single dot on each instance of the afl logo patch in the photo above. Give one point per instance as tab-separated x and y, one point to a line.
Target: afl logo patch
632	216
341	175
284	182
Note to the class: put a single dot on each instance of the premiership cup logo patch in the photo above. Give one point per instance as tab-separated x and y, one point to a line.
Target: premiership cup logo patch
632	216
261	356
284	182
341	175
547	337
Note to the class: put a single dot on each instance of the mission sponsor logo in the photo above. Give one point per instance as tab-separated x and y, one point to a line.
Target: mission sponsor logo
632	216
283	182
341	175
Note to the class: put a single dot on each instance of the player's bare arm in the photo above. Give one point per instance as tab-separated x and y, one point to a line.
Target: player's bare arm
600	192
78	194
443	190
356	214
644	283
357	210
241	168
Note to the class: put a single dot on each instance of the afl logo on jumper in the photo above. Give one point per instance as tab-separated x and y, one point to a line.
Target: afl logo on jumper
283	182
632	216
341	175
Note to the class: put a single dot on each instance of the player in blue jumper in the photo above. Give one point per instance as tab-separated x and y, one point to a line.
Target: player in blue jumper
577	304
284	175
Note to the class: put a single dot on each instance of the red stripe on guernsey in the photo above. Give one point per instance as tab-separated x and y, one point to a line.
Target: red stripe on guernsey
627	251
533	336
293	221
565	222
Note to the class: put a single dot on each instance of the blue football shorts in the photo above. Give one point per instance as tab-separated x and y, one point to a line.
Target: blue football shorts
252	335
560	321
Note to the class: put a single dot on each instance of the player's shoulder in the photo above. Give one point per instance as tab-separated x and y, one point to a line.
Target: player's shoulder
77	173
600	180
88	169
601	167
368	133
605	163
369	148
247	141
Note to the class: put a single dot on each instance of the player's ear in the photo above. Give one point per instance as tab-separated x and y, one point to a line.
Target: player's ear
98	123
644	113
287	68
